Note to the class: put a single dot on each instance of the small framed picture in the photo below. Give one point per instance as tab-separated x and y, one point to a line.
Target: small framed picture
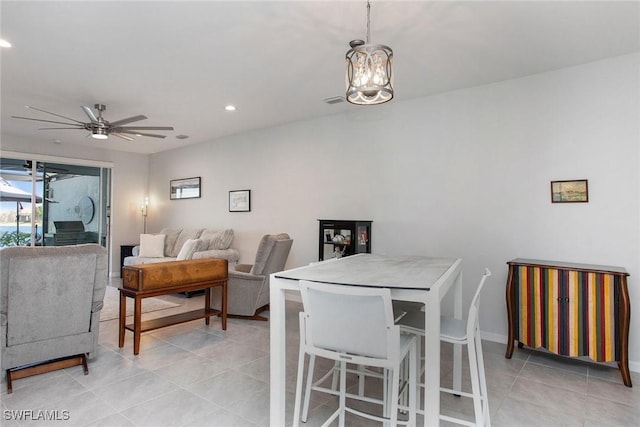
240	201
574	191
187	188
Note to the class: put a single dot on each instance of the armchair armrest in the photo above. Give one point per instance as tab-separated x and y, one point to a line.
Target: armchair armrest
239	275
231	255
244	268
97	306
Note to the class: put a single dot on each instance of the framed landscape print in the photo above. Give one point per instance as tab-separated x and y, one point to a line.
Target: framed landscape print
240	201
575	191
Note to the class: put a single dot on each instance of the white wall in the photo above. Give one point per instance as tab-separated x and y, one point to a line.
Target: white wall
465	174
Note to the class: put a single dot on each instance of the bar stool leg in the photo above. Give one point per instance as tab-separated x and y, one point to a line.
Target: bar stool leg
483	382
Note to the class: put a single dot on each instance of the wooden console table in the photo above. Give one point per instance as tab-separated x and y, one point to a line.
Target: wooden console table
570	309
151	280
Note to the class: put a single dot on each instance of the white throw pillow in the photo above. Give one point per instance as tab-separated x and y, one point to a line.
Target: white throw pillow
190	247
152	245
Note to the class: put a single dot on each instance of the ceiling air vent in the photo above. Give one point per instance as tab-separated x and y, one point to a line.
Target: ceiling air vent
334	100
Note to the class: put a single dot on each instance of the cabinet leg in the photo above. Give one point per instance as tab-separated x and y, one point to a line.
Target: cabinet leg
509	352
625	314
624	371
510	348
510	313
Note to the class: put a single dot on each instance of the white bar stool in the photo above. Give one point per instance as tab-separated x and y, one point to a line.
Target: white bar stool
457	331
355	324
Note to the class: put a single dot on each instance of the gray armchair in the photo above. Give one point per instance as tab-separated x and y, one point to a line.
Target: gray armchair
248	288
50	302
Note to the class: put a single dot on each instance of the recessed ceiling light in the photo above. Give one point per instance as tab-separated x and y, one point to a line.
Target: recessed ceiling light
182	136
4	43
230	108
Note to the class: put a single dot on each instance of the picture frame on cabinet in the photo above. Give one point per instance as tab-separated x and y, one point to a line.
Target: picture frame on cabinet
572	191
240	201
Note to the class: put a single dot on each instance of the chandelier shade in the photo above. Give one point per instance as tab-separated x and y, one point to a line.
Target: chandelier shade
369	75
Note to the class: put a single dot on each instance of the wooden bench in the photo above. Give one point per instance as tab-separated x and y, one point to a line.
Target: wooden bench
163	278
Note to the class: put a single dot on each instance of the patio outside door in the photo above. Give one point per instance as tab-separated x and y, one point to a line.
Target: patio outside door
53	204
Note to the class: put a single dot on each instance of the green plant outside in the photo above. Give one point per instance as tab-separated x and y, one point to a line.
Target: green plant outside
13	238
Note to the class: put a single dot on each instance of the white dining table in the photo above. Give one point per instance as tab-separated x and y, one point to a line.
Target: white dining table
410	278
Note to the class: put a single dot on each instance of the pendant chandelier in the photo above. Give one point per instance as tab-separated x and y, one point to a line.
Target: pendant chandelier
369	76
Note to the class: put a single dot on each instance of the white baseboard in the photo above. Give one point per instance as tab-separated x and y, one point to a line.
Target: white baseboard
502	339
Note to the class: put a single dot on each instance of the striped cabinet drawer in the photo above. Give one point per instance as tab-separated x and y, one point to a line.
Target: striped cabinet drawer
569	309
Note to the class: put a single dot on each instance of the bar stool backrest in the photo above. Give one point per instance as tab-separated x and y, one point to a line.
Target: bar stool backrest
474	308
350	320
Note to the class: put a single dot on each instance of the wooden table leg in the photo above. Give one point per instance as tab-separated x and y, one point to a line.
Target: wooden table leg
224	305
137	317
207	305
122	319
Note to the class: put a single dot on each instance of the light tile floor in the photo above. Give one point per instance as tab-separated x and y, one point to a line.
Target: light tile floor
194	375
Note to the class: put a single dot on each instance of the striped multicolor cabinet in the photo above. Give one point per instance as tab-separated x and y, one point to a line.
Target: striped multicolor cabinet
570	309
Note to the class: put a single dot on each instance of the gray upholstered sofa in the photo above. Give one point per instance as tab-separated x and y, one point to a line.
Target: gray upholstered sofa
50	302
203	243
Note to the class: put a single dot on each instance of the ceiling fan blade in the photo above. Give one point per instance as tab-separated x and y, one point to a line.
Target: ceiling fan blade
119	135
89	112
142	134
143	128
80	125
58	128
53	114
128	120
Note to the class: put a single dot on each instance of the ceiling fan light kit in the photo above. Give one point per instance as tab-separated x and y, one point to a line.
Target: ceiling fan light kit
99	127
99	133
369	76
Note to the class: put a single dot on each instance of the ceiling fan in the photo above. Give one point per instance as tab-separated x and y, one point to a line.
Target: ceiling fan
99	127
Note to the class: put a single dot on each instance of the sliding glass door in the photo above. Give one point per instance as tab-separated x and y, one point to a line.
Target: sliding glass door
47	203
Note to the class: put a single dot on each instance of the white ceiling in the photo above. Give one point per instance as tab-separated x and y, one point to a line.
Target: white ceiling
180	62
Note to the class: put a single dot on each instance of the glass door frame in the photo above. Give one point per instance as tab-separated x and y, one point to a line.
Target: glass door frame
105	186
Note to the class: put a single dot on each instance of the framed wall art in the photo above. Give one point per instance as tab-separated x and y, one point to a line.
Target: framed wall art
240	201
188	188
574	191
